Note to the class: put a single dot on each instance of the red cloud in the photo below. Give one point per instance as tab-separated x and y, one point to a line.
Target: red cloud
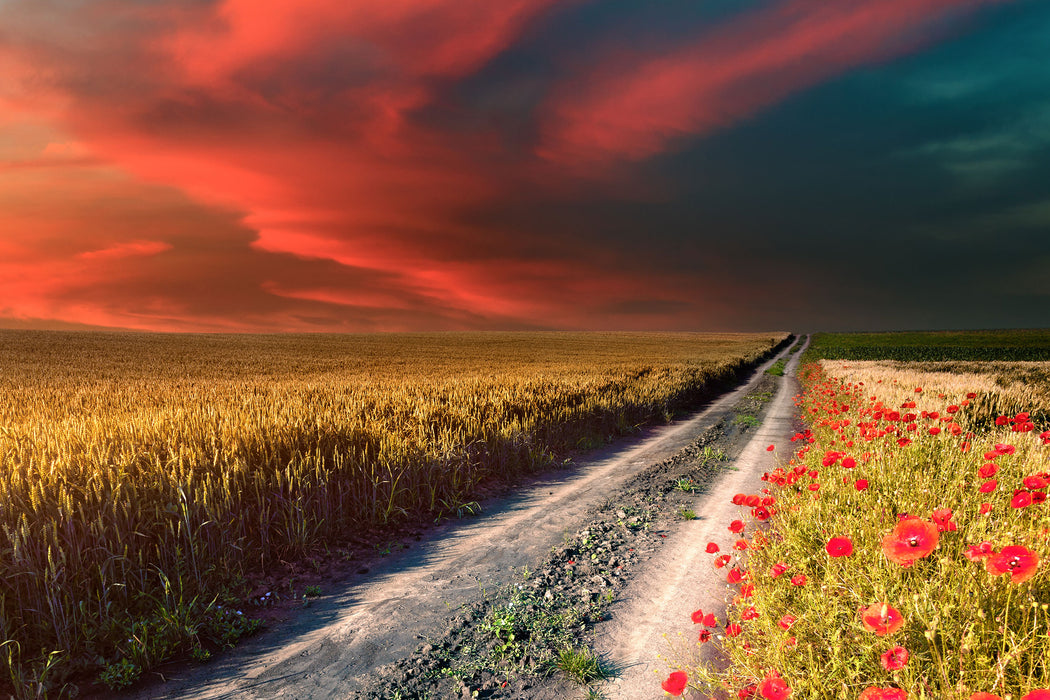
631	108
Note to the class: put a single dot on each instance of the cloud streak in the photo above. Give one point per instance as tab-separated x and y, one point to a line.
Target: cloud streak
633	107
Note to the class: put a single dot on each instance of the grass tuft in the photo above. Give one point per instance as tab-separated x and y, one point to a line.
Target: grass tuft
581	665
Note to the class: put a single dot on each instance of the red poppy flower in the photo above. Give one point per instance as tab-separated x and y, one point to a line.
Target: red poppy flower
1037	695
861	484
952	409
895	658
984	696
798	580
747	691
988	486
1020	562
935	431
977	552
773	687
872	693
697	616
1001	420
942	518
721	561
786	621
734	576
749	613
986	508
747	590
988	470
839	547
675	683
733	630
770	448
1035	482
736	526
705	636
738	499
740	545
1021	499
1005	449
813	487
848	463
760	513
712	548
910	540
778	569
881	618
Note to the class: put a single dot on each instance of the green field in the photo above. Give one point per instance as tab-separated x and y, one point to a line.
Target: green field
935	346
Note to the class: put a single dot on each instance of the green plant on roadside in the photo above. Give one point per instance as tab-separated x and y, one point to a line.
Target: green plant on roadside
710	454
777	368
581	665
120	675
686	485
687	514
746	420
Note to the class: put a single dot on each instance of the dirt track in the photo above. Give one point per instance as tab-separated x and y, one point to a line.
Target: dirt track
333	649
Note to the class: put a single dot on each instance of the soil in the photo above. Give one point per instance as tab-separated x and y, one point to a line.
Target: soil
608	556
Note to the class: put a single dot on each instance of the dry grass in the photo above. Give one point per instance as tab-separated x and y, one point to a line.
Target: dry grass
142	476
1003	388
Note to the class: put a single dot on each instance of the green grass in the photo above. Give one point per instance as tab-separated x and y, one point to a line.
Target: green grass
581	665
777	368
934	346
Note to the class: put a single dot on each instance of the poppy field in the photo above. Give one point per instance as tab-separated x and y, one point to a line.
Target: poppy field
900	552
149	481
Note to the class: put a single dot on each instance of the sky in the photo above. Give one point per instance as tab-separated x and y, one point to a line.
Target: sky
428	165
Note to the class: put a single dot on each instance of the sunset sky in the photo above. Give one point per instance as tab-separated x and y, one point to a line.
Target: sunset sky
392	165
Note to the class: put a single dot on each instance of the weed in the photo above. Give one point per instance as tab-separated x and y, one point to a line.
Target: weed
746	420
686	485
687	514
581	665
777	368
120	675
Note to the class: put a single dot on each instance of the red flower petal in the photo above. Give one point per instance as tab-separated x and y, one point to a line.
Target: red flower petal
675	683
839	547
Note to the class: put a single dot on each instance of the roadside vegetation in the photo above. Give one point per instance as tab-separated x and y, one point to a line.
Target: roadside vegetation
901	551
148	480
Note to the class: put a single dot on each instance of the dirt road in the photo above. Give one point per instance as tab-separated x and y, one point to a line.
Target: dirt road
651	621
333	648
